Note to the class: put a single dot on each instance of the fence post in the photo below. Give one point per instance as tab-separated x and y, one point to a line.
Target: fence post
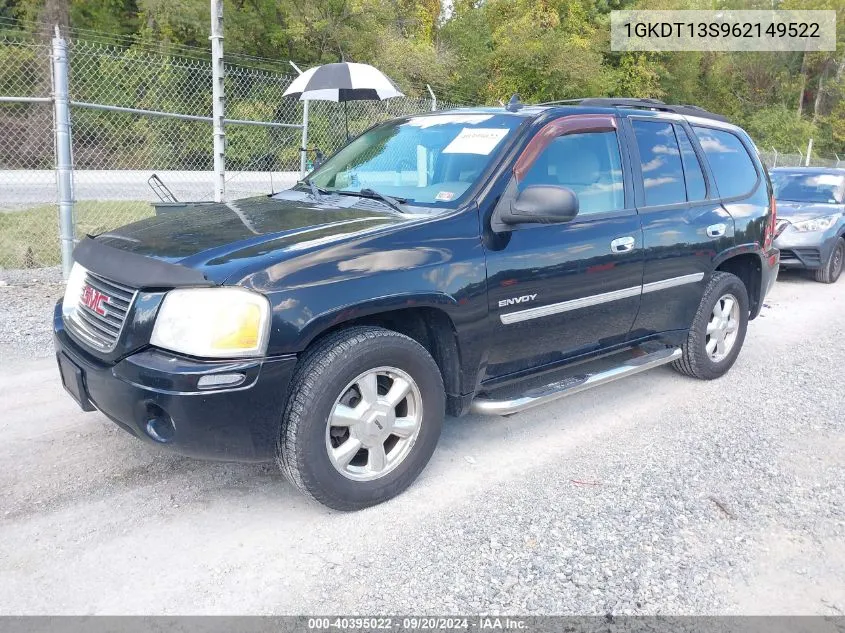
809	152
303	154
775	162
303	148
217	97
64	160
433	98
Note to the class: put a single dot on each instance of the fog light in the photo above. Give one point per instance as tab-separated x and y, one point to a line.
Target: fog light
220	380
159	425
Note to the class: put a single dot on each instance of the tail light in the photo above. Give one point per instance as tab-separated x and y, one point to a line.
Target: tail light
771	226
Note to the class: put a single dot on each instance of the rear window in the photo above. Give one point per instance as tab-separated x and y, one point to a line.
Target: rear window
732	166
696	188
660	157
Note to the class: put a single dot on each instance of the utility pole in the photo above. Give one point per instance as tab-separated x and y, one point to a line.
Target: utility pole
218	100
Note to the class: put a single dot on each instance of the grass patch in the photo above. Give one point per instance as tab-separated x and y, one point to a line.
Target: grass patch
30	238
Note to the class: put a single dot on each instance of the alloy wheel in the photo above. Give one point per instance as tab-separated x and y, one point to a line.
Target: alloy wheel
723	327
374	423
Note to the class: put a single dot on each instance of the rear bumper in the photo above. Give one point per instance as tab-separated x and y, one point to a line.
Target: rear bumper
770	268
154	395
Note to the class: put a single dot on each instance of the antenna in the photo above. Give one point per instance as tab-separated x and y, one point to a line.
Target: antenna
514	104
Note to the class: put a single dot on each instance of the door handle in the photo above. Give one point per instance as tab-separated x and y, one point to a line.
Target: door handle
622	244
716	230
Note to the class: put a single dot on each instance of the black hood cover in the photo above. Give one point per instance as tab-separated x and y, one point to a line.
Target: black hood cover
213	237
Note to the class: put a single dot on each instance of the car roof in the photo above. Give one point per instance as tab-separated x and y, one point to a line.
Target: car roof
838	171
535	111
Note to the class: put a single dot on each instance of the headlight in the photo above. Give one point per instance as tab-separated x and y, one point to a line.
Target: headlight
817	224
73	290
213	322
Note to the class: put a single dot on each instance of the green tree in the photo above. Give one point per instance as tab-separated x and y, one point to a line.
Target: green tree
482	52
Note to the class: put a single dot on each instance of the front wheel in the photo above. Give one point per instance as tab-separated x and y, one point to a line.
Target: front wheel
718	329
363	418
831	269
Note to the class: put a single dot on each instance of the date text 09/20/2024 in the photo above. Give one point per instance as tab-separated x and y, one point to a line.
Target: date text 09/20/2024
421	623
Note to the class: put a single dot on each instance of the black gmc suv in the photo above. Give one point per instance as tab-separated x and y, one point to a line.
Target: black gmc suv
480	260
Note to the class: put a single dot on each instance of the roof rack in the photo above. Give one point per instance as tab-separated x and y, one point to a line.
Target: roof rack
648	104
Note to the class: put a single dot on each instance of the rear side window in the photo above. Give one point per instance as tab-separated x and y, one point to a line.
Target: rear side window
696	189
730	162
660	157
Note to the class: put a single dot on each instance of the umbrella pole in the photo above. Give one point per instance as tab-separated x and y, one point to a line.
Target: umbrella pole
346	119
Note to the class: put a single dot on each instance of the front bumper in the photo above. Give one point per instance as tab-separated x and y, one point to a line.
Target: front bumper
154	395
805	250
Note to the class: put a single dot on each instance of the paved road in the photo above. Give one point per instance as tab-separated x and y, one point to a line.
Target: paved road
26	188
659	494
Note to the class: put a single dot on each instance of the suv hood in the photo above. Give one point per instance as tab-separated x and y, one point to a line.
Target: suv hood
798	211
219	238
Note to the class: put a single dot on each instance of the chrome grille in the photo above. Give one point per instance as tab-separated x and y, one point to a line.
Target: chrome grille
101	331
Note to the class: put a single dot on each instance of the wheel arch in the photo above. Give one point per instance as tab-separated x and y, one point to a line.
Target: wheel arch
747	264
429	326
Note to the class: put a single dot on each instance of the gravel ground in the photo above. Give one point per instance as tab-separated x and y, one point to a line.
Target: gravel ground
654	495
26	309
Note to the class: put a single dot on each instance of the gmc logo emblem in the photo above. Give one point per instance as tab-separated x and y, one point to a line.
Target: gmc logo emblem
95	299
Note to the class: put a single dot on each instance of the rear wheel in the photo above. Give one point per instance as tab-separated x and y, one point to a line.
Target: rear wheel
718	329
832	268
363	419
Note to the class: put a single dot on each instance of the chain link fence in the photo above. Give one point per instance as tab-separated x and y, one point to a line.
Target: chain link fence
135	112
773	158
27	179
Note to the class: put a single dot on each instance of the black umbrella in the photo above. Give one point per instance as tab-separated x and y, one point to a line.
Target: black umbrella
345	81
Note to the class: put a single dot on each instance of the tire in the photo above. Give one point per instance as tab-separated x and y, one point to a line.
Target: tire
831	270
324	386
697	360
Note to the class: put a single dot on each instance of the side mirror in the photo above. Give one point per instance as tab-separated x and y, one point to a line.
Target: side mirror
542	204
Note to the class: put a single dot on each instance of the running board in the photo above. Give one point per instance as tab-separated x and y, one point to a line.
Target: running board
574	384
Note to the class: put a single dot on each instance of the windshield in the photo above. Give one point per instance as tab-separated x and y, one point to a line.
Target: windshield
801	187
428	160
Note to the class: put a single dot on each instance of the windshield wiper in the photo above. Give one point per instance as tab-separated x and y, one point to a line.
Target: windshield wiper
316	191
394	203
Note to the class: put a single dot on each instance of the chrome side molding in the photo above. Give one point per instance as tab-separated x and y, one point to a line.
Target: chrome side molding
572	304
574	384
673	282
593	300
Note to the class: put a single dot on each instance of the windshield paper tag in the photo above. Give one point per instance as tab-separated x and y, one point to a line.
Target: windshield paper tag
476	141
444	196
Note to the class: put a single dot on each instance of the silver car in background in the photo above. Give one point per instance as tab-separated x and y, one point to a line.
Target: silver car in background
811	219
